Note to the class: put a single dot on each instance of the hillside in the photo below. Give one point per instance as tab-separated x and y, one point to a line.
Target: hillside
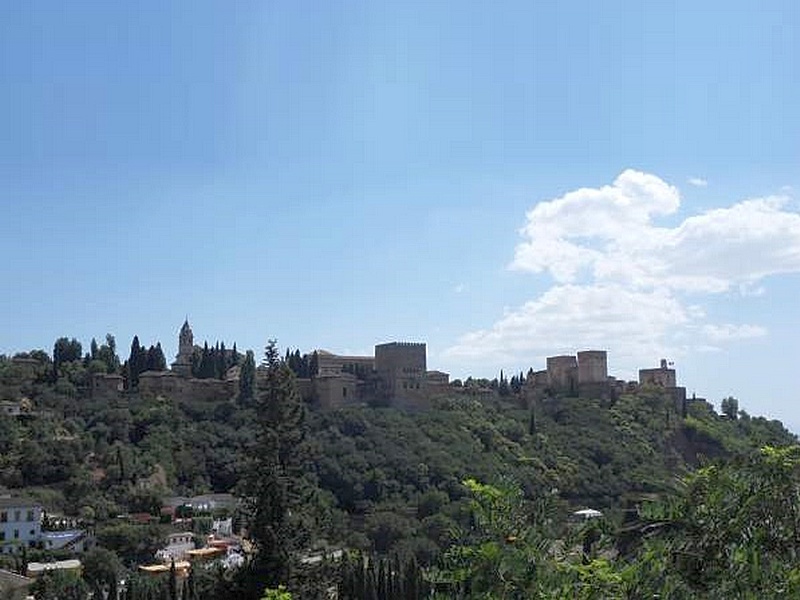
391	480
402	472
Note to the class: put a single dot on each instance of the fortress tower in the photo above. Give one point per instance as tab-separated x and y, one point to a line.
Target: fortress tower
562	374
592	366
401	367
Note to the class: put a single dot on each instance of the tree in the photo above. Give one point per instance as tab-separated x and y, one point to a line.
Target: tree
278	593
137	363
235	356
156	361
733	531
207	368
506	552
64	351
276	490
730	407
108	354
59	585
247	378
101	566
221	362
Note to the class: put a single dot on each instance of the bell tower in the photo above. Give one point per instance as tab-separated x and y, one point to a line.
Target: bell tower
183	361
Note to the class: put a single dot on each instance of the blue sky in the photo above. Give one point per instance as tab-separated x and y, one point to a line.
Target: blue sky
504	180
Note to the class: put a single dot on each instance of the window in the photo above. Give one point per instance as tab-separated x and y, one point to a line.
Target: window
29	516
16	515
3	517
16	534
2	536
32	532
344	392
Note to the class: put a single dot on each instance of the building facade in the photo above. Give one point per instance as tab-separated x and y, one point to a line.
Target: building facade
20	524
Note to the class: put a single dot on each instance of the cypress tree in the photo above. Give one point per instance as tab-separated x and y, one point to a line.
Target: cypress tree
173	582
134	363
247	378
412	580
221	361
275	487
383	593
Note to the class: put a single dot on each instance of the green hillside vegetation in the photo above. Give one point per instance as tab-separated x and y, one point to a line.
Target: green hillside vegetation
390	483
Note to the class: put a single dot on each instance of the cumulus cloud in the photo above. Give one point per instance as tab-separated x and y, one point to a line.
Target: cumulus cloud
623	281
698	181
587	316
609	235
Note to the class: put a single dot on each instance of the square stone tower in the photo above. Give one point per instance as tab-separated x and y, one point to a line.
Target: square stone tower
401	368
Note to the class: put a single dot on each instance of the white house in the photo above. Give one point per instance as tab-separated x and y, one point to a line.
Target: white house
20	524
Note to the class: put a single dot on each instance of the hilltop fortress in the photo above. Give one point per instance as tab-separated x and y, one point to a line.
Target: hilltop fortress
585	375
395	375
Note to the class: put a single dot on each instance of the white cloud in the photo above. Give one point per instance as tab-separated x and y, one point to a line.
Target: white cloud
567	317
727	332
698	181
608	234
624	282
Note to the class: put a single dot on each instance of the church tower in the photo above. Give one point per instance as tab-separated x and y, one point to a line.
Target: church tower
183	361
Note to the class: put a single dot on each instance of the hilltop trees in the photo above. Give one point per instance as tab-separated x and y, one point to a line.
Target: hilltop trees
213	362
143	359
106	354
730	407
64	351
